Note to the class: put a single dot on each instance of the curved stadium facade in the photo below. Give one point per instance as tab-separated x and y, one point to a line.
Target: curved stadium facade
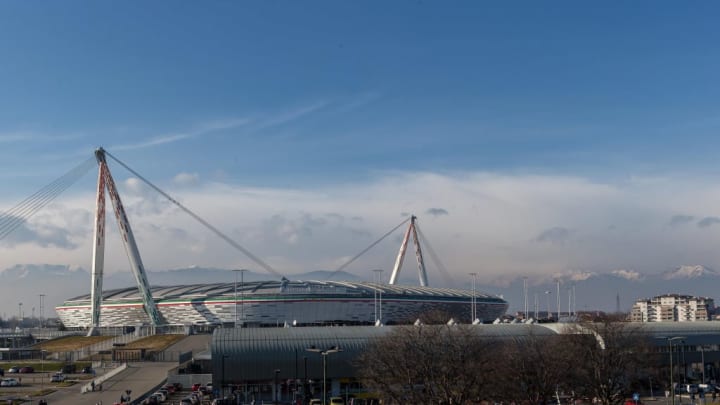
273	303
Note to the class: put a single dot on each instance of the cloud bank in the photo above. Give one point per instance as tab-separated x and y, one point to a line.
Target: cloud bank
500	225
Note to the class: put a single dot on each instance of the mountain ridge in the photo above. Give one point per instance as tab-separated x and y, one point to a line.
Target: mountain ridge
593	290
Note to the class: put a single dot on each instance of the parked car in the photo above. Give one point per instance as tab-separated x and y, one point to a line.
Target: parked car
14	369
195	387
26	370
9	382
57	377
87	370
2	372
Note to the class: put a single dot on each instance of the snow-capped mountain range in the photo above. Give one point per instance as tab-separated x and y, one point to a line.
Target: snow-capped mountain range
593	291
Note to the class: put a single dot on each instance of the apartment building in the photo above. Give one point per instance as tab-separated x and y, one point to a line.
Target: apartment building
673	308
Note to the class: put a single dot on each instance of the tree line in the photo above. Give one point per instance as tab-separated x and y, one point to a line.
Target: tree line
604	361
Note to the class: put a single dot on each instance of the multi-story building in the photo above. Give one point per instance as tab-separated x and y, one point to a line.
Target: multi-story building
673	308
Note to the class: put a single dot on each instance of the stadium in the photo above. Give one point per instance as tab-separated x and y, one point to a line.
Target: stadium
277	303
266	303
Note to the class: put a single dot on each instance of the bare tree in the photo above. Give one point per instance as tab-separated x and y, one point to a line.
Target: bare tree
431	364
536	369
610	357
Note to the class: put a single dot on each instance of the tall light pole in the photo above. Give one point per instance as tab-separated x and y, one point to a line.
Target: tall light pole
378	311
42	309
242	291
670	346
473	314
557	281
547	298
525	297
324	354
569	291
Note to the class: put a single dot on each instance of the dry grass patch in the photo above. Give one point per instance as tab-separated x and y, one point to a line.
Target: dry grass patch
155	343
70	343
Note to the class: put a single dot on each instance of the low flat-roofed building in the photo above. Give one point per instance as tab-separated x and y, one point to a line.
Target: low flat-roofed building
257	363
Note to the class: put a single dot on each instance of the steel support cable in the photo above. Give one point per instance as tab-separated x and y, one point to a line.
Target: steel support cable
20	213
216	231
26	207
339	269
449	280
47	193
23	211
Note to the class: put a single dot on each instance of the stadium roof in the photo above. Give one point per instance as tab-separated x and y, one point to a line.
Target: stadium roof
285	287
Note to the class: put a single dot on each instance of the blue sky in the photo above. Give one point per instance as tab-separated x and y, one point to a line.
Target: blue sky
566	133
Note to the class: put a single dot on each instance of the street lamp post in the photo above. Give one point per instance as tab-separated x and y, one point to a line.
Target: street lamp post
275	388
324	354
702	360
306	388
222	378
42	369
670	346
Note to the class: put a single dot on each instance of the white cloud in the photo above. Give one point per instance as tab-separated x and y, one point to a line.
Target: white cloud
581	275
627	274
186	179
201	129
494	226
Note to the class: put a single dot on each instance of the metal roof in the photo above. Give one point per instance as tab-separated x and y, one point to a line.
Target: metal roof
254	353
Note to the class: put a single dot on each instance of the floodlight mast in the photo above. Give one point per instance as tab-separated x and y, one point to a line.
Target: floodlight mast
105	181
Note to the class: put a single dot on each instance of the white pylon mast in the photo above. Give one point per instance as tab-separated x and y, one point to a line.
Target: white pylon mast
418	254
98	249
105	179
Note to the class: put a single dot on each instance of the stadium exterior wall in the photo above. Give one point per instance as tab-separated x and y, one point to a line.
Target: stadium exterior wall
272	304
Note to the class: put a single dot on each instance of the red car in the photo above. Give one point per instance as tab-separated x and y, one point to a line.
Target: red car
195	387
26	370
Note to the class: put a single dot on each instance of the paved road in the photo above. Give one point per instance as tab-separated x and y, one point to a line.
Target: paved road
138	377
